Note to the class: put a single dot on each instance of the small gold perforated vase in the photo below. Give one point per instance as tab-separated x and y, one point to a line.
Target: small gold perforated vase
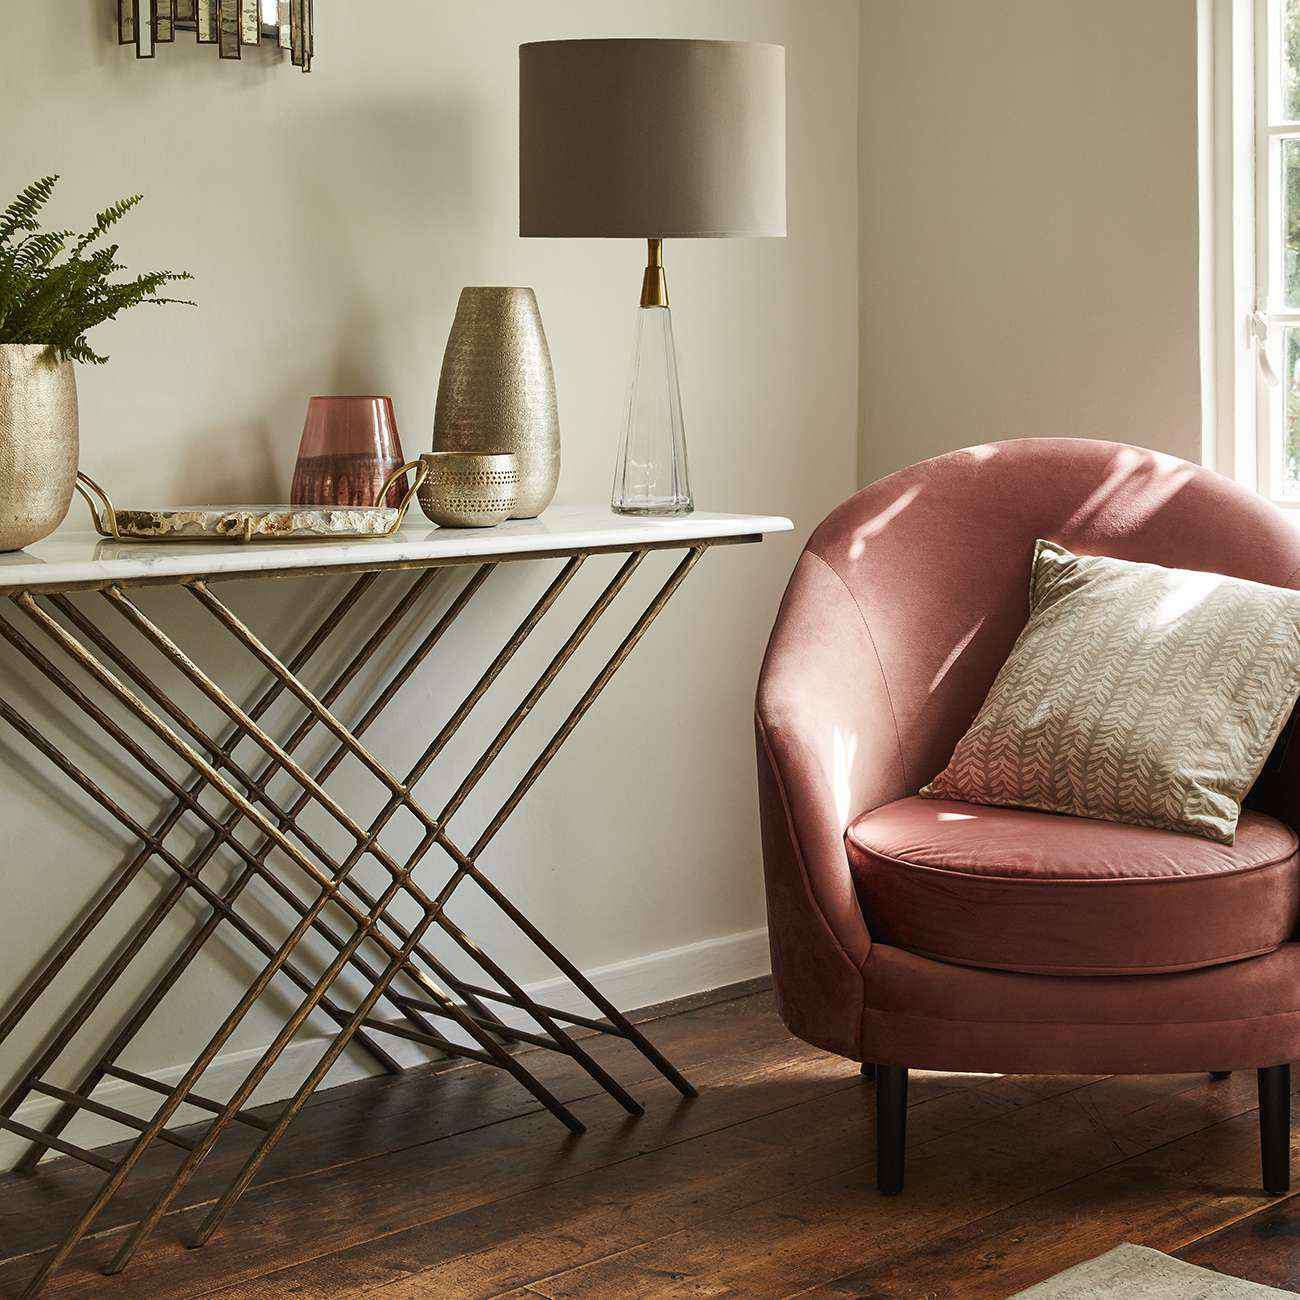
469	489
38	443
497	390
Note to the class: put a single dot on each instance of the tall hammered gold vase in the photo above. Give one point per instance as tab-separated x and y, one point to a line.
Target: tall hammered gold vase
497	391
38	443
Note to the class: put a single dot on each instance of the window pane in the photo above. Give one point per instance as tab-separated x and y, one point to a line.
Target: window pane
1291	221
1290	53
1289	466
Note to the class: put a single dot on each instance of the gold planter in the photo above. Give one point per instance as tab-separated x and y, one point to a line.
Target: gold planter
497	391
38	443
469	489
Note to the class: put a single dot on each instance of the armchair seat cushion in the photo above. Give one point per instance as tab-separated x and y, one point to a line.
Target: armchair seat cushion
1013	889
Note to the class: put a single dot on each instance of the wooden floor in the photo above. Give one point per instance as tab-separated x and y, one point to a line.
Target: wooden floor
454	1184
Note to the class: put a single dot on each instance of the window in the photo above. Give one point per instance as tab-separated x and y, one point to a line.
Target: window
1277	168
1250	273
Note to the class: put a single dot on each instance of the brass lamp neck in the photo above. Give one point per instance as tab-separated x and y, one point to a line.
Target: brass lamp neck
654	284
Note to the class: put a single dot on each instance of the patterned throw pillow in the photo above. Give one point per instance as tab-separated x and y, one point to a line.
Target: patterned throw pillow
1134	694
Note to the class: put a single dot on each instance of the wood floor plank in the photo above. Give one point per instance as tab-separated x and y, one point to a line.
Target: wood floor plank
1162	1198
612	1208
813	1232
493	1258
370	1117
1263	1248
508	1243
1048	1169
362	1198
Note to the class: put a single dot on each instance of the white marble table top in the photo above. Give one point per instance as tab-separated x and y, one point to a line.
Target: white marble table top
74	555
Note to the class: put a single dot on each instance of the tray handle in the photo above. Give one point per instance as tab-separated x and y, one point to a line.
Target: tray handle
421	473
107	525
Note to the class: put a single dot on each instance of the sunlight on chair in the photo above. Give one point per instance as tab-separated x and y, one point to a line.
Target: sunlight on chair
878	523
955	654
845	748
1157	490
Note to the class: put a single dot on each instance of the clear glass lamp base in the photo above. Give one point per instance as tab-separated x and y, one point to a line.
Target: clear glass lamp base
650	477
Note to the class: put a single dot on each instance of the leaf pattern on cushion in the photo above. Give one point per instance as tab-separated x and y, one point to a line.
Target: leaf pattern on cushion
1134	693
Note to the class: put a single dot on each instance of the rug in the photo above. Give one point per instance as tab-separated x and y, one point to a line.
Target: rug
1140	1273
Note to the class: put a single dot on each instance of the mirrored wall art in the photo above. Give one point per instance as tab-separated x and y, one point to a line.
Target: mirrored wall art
164	21
228	24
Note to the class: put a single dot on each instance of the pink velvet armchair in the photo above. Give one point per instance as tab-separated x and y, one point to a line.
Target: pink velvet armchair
946	936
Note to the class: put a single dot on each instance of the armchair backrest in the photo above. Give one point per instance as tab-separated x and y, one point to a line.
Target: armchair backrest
937	558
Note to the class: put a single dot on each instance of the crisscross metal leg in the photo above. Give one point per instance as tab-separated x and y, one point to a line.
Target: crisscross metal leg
559	1037
73	944
330	624
411	978
541	606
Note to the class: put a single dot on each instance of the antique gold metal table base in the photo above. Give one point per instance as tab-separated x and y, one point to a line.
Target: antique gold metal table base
65	644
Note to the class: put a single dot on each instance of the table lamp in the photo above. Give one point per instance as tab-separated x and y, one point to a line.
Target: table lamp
654	140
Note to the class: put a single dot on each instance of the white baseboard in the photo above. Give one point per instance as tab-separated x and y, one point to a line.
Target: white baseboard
637	982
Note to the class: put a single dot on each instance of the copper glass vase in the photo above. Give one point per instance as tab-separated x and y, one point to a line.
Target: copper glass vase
349	447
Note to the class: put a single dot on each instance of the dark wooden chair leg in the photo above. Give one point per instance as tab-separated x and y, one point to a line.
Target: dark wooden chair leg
1220	1074
1275	1128
891	1128
868	1069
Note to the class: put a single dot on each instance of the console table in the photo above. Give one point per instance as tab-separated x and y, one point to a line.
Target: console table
77	654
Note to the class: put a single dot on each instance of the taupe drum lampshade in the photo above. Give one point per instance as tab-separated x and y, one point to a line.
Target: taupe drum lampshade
642	138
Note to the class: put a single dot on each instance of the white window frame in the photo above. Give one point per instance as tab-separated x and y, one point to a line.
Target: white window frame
1242	316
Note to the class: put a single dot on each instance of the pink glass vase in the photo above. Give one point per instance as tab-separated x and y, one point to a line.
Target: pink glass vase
349	447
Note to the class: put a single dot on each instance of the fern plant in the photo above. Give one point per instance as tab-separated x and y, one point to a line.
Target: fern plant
57	285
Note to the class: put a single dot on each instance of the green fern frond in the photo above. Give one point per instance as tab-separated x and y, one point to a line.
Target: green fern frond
105	221
22	212
42	249
56	302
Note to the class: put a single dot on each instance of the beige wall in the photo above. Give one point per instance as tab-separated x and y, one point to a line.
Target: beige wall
1029	254
330	221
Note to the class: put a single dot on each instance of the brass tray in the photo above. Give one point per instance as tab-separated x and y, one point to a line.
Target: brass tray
252	523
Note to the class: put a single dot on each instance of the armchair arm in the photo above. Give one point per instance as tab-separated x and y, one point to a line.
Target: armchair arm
827	752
